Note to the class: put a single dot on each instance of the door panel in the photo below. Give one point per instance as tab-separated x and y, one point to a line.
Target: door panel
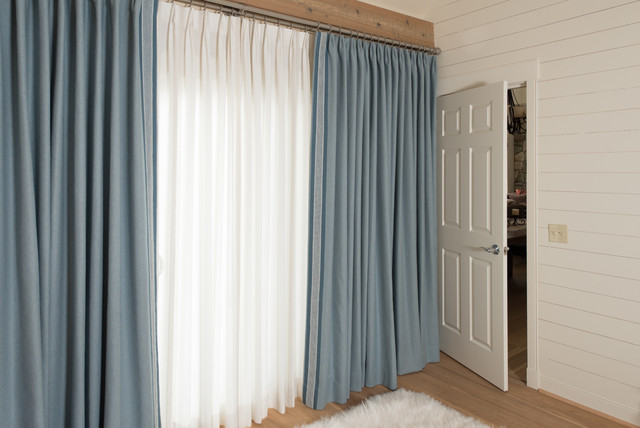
472	196
451	307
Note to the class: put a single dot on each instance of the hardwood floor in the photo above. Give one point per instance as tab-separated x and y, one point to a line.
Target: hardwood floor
458	387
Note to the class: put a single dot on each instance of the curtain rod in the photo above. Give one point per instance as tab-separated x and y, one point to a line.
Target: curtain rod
240	10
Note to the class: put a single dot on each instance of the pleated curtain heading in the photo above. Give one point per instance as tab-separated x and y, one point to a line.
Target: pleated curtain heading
77	274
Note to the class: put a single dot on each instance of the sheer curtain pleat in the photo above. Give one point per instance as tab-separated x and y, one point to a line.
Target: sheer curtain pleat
233	171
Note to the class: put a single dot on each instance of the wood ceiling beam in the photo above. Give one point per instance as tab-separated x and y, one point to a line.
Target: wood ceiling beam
353	15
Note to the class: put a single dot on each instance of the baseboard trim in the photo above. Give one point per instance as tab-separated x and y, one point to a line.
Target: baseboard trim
590	403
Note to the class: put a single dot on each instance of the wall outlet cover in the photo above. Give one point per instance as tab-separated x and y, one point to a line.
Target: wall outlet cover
558	233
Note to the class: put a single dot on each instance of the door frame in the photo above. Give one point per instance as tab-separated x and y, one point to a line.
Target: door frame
517	74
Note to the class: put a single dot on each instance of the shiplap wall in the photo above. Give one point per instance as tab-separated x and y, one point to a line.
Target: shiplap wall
589	177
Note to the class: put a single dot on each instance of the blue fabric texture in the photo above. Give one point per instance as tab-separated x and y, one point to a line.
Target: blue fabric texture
77	276
372	300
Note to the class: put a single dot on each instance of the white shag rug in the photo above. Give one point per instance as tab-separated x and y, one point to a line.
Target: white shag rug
401	409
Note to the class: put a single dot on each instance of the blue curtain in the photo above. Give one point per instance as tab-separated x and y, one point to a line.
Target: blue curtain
372	300
77	275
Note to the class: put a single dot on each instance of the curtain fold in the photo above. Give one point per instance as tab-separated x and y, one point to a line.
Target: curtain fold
372	296
77	276
234	101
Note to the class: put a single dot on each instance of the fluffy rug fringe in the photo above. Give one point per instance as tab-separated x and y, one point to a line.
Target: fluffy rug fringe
401	409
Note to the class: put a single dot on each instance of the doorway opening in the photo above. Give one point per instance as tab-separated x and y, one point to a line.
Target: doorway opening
517	232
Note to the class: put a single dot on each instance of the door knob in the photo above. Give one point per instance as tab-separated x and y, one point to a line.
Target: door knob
493	250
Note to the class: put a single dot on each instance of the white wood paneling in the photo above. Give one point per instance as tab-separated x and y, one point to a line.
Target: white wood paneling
601	345
614	100
615	266
612	369
628	162
606	285
607	121
588	177
552	19
625	54
575	366
624	331
600	142
606	182
490	16
593	82
603	203
613	307
563	48
448	10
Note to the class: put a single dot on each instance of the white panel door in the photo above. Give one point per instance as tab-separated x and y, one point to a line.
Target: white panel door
472	189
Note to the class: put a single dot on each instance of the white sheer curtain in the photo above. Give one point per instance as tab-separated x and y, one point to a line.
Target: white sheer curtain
233	157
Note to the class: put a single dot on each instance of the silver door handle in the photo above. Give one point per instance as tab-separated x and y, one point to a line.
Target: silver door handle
494	250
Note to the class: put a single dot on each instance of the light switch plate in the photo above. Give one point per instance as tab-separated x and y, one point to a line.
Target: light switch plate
558	233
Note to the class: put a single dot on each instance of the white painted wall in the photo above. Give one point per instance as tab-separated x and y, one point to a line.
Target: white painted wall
588	176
